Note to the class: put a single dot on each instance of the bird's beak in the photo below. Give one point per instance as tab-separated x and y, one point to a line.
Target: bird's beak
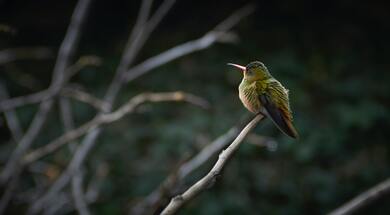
242	68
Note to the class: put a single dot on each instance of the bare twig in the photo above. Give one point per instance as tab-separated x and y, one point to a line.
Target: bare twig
61	205
101	173
217	34
16	132
83	61
66	51
72	36
158	16
78	193
11	117
136	40
77	179
177	177
86	98
66	114
13	164
60	200
364	199
178	201
25	100
112	117
30	53
8	193
52	91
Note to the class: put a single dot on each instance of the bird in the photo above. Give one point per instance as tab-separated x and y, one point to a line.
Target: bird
262	94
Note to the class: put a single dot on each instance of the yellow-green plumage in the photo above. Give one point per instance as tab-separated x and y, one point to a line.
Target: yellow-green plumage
261	93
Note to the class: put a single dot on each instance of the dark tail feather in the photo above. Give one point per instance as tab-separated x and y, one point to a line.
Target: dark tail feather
284	125
277	116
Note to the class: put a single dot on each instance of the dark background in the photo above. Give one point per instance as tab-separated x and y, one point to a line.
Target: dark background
331	55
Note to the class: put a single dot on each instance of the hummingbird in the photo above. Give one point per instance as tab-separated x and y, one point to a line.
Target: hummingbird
262	94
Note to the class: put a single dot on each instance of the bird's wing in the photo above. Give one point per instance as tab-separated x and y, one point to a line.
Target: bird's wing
276	103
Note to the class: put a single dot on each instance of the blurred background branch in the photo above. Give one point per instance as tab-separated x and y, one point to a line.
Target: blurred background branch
65	53
11	117
364	199
26	53
218	34
107	118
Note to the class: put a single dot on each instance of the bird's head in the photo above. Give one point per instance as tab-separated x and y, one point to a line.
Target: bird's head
254	71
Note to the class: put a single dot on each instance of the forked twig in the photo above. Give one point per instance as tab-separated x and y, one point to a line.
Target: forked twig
178	201
218	34
66	51
112	117
176	178
85	98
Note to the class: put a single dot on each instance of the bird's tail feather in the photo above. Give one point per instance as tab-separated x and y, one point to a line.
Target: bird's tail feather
282	122
281	117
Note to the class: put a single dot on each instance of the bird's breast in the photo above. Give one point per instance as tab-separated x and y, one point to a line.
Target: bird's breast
249	97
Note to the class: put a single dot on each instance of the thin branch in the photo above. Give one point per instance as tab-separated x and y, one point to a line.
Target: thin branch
8	193
136	40
235	18
29	53
218	34
65	206
25	100
11	117
158	16
89	141
66	51
86	98
82	62
60	201
17	133
177	177
112	117
101	173
67	119
46	94
364	199
52	192
77	179
13	163
78	193
177	202
66	114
